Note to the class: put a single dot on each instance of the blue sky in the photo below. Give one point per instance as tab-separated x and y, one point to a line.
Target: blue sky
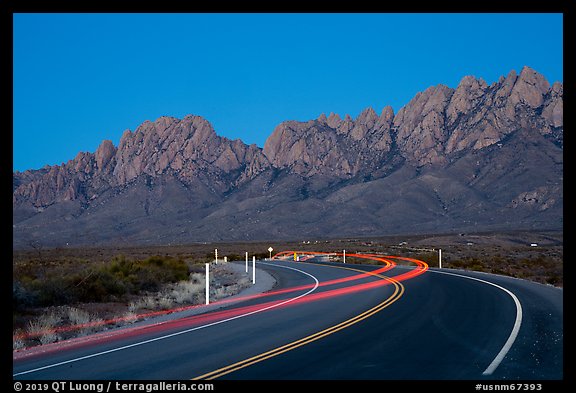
83	78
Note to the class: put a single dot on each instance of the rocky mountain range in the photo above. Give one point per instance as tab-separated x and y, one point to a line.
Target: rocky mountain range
475	157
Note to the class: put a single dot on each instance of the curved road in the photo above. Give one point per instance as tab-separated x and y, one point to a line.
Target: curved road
337	321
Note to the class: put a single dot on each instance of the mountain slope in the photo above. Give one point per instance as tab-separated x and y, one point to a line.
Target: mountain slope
471	158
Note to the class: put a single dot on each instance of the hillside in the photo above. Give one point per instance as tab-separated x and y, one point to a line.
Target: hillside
475	157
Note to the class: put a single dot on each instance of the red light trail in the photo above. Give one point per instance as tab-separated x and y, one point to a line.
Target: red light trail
214	316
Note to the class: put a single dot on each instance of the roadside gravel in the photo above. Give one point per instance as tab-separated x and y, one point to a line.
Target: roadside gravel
264	283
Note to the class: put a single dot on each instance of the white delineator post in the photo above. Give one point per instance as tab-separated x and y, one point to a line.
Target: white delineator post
246	261
254	270
207	283
439	258
344	256
216	256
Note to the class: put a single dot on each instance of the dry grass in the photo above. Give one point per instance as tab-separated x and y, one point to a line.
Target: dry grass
17	342
43	327
191	291
86	322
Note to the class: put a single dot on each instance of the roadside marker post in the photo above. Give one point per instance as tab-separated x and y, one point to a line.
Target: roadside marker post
216	256
254	270
439	258
207	283
246	261
344	256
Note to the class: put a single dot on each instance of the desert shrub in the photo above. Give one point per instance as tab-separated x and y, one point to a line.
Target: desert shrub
77	316
17	342
44	322
43	327
554	279
129	316
431	258
21	297
101	285
147	275
189	291
148	302
50	290
66	284
86	322
49	338
469	263
477	267
540	268
165	302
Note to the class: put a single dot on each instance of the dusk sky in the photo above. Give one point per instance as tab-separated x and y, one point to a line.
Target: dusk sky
83	78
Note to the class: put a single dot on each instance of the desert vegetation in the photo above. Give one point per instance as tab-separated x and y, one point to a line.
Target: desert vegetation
68	283
543	269
63	297
535	256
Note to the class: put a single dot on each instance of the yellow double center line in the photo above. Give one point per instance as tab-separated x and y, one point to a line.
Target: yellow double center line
398	292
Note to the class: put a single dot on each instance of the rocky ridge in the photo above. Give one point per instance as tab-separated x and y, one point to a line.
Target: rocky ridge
433	127
186	149
180	170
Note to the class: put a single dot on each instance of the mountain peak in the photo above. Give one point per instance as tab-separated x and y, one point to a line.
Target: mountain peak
387	113
104	154
471	82
530	88
506	137
368	115
333	120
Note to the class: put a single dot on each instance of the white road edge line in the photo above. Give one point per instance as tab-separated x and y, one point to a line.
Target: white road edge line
183	331
515	329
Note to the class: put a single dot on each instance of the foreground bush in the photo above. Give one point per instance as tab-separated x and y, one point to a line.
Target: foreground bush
70	283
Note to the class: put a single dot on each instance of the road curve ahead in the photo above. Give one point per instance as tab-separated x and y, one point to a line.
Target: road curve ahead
397	320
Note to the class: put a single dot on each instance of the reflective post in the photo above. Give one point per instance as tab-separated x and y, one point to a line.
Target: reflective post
439	258
207	283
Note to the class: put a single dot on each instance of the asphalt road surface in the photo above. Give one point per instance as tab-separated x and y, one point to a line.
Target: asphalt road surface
336	321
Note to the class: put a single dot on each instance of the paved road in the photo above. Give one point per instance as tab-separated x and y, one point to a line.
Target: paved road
323	321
